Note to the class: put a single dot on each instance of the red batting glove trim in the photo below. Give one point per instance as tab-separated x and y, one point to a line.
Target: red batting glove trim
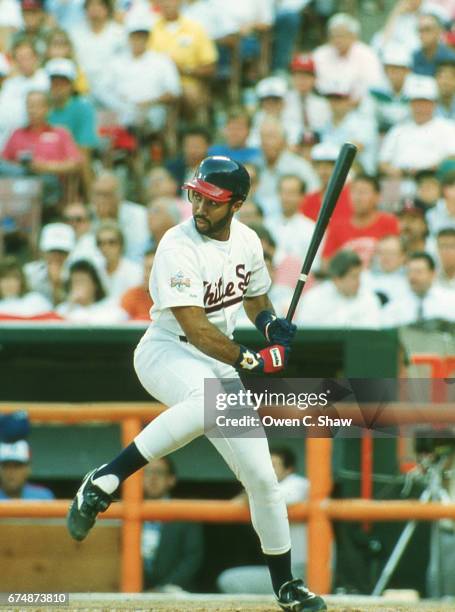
273	357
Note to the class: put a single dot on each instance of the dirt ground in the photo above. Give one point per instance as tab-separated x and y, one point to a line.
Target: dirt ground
113	604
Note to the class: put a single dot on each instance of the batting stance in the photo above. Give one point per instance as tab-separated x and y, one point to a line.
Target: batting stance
204	269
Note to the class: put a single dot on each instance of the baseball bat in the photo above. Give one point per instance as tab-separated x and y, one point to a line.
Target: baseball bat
331	195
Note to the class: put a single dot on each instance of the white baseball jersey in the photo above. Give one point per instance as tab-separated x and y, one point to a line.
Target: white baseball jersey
193	270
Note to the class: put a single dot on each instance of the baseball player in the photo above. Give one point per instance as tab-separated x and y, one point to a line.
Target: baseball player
204	269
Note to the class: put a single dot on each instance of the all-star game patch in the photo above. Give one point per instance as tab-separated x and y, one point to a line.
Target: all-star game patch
179	281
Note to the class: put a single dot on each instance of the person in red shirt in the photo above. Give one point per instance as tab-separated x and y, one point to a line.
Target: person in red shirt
46	149
323	157
365	226
137	301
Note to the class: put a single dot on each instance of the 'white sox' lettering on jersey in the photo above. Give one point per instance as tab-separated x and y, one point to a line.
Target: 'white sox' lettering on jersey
215	294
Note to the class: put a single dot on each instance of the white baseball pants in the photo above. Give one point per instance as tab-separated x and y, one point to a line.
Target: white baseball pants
173	372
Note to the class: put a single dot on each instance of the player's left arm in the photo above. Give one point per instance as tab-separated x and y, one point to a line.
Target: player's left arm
276	330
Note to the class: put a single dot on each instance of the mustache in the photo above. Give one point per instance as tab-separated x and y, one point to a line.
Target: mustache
201	218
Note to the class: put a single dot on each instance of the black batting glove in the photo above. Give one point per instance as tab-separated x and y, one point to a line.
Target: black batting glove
275	330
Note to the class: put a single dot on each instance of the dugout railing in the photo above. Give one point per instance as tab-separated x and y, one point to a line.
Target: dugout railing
318	512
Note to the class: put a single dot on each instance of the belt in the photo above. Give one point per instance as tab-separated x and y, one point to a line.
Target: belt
183	339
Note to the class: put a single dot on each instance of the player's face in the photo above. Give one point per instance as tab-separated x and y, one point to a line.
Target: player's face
211	218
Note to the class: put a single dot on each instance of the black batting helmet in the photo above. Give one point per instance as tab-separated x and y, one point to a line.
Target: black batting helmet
221	179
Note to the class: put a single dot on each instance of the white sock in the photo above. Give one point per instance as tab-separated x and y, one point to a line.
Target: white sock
107	483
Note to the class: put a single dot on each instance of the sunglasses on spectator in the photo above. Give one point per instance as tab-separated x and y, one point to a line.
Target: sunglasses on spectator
108	241
75	219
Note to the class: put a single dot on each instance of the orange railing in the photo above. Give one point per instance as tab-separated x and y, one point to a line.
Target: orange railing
319	511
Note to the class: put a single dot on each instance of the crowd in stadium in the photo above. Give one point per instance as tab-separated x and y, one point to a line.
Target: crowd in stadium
110	106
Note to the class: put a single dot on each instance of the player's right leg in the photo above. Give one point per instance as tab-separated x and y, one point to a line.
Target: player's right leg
173	374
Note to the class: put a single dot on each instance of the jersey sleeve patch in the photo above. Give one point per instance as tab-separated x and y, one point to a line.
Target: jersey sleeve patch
180	282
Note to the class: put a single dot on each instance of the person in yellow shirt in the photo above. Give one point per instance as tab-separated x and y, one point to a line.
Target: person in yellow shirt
195	55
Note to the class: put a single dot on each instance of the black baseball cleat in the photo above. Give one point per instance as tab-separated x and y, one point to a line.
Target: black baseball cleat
295	597
89	501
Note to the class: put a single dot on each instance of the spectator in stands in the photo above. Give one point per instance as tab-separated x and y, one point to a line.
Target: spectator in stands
10	21
15	298
27	76
324	156
59	46
423	141
15	471
47	275
344	55
276	162
445	78
348	124
160	183
86	301
386	276
424	299
195	147
443	214
194	54
77	215
142	83
212	17
172	552
432	50
253	20
49	150
74	112
136	302
107	204
66	14
290	229
271	93
401	27
413	230
286	29
34	26
250	213
98	40
119	273
253	171
294	488
366	226
236	133
428	190
14	426
305	109
5	119
387	104
341	301
163	213
446	255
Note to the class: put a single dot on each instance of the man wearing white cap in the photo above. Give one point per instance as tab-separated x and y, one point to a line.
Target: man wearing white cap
47	275
15	471
387	105
424	140
271	93
141	82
